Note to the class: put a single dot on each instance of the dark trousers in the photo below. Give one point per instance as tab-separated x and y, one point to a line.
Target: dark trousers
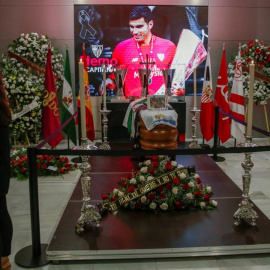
6	229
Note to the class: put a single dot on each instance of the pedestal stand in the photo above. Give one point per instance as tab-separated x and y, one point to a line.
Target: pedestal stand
105	145
194	144
245	211
88	213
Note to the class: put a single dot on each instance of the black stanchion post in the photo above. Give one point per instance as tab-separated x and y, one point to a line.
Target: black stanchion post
35	254
215	146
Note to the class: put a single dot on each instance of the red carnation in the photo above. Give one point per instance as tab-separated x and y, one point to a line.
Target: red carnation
168	167
261	42
169	186
104	196
185	186
151	170
268	58
113	198
68	169
151	196
12	160
155	164
179	205
62	170
41	158
200	186
124	183
251	44
155	158
131	189
20	163
162	195
197	194
258	51
198	180
38	166
20	155
207	197
65	159
66	164
22	169
75	165
176	180
44	166
260	63
160	188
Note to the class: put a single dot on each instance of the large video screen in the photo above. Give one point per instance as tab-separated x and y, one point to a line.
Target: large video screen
113	39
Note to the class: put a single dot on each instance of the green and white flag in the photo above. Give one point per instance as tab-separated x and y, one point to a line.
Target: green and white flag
67	107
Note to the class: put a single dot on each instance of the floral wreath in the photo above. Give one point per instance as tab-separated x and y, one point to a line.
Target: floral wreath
182	192
24	87
259	52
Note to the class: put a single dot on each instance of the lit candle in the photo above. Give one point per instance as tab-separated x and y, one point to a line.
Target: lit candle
104	88
195	88
250	98
82	98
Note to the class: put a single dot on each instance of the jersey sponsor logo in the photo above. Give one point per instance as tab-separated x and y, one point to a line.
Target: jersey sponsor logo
161	56
97	50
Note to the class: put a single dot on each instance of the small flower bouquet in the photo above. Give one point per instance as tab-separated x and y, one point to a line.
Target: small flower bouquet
179	191
46	165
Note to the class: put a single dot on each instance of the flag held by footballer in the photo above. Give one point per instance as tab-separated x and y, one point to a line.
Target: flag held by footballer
237	101
207	105
67	106
221	100
90	130
50	112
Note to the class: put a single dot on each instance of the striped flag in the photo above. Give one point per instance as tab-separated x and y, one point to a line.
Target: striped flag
67	106
90	130
207	105
221	100
237	101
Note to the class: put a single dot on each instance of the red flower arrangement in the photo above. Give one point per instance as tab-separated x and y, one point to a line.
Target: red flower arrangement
180	193
46	165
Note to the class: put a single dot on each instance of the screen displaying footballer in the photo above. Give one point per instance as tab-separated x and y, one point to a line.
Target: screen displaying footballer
128	36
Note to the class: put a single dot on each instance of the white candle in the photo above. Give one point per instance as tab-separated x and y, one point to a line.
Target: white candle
195	88
82	98
250	98
104	88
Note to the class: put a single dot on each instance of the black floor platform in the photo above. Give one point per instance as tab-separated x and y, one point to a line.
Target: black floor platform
137	234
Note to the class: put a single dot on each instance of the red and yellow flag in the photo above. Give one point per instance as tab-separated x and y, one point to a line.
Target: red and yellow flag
50	112
90	130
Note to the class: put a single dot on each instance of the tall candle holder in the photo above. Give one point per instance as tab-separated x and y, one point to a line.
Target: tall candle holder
245	211
88	213
194	144
105	144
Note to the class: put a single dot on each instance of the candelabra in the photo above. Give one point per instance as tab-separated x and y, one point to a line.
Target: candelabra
194	144
245	211
88	213
105	145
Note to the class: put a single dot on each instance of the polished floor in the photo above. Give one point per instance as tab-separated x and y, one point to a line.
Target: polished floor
54	194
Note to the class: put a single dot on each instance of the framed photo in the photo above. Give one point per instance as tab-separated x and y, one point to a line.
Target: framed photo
157	102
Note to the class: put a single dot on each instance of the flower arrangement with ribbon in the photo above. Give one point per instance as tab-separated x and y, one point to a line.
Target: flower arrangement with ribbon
23	68
46	165
159	185
259	52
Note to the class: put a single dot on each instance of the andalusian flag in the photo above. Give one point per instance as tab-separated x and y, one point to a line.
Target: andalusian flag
67	107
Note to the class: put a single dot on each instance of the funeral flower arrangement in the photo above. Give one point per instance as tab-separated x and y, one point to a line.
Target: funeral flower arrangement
259	52
46	165
181	192
25	85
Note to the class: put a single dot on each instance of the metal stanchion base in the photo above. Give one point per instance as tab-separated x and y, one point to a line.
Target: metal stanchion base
25	257
204	146
218	159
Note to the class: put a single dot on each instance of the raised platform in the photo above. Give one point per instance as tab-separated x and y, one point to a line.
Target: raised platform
135	234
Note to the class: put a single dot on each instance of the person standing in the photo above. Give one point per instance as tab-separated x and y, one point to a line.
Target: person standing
6	229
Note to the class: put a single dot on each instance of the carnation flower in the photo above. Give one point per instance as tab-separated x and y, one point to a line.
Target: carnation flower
149	178
182	176
175	190
191	184
147	162
153	205
214	203
174	163
120	194
208	189
143	199
189	196
196	175
202	205
164	206
144	169
115	191
142	178
133	181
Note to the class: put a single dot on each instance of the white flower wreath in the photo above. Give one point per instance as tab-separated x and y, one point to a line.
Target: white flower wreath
25	85
259	52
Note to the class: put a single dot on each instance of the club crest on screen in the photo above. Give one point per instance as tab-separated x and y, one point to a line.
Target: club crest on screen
161	56
97	50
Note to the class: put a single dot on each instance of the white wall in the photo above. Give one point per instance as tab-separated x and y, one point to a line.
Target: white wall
230	21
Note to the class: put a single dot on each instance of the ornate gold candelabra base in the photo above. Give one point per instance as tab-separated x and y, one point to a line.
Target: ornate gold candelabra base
105	145
245	211
194	144
88	213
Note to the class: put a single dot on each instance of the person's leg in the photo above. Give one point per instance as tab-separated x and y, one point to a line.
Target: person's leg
6	231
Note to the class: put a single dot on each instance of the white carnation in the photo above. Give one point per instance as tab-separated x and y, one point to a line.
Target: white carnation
115	191
191	184
153	206
142	178
182	175
144	169
164	206
214	203
208	189
147	162
143	199
196	175
175	190
149	178
189	196
202	205
179	166
120	193
133	181
174	163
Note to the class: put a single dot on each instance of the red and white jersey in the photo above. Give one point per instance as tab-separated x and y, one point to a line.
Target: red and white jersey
129	54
